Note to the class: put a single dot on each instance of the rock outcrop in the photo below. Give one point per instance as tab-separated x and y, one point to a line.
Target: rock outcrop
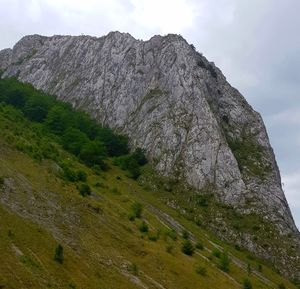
170	101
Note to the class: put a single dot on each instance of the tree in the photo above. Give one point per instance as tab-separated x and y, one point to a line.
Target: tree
187	248
139	156
36	108
16	97
93	153
59	254
133	168
58	119
116	145
73	140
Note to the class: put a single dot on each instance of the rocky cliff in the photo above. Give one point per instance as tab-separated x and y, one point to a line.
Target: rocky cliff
171	101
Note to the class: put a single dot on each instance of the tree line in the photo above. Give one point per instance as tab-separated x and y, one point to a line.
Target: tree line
76	131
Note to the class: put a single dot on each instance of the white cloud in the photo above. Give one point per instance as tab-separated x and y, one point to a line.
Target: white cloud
164	16
290	116
291	186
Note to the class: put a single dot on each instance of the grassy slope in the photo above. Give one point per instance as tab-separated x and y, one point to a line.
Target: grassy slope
102	248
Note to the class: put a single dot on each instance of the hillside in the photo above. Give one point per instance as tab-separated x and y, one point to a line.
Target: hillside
128	232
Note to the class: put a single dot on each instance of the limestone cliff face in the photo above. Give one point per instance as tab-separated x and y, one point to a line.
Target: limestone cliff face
170	101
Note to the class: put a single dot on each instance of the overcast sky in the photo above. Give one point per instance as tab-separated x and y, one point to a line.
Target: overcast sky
256	44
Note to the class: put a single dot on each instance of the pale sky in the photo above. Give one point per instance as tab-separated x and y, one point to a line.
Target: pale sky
255	43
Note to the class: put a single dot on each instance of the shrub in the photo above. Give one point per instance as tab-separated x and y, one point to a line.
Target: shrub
154	236
68	174
198	223
187	248
169	249
172	234
139	156
199	245
59	254
249	269
201	201
81	176
259	268
1	181
216	252
131	216
134	269
249	155
281	286
132	162
237	247
185	235
84	190
137	209
143	227
201	270
247	284
28	261
224	262
115	191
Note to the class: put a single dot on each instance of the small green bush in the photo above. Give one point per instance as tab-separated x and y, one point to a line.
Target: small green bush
259	268
201	270
28	261
134	269
216	252
187	248
237	247
185	235
154	236
281	286
143	227
1	181
172	234
249	269
59	254
247	284
131	216
137	209
84	190
201	201
199	245
224	262
169	249
115	191
81	176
